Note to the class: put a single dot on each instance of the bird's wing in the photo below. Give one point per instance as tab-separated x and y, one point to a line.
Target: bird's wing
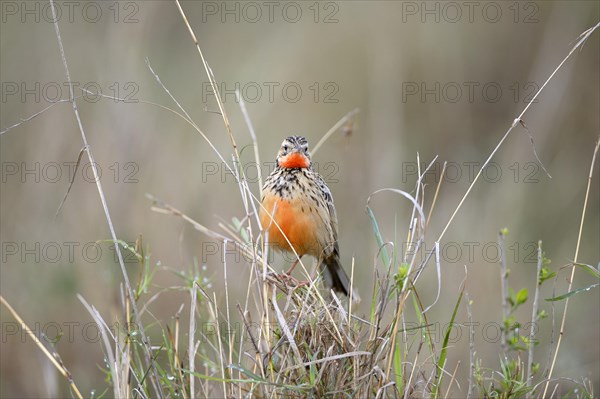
328	198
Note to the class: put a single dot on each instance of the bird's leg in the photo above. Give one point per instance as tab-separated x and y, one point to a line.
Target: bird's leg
289	272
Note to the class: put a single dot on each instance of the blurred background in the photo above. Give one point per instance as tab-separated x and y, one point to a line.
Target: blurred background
441	79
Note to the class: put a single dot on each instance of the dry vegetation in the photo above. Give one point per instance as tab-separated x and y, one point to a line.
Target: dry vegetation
294	340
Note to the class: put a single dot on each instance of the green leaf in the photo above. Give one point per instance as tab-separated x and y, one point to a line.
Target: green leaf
542	314
590	269
511	297
571	293
510	323
545	274
401	275
522	296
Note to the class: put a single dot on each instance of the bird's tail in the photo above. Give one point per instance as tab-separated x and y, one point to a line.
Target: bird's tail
335	276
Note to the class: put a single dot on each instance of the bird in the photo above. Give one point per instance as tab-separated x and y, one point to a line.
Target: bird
297	211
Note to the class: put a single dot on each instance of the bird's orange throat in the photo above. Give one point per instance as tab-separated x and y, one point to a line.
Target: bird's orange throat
294	160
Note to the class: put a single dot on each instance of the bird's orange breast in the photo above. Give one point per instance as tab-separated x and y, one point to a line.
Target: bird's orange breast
296	220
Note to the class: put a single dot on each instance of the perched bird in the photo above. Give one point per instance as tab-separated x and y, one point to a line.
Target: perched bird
297	205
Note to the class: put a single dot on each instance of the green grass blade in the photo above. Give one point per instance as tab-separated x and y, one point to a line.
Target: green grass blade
442	360
590	269
398	367
385	258
571	293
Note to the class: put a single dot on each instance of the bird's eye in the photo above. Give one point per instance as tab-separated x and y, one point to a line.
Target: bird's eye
285	148
306	150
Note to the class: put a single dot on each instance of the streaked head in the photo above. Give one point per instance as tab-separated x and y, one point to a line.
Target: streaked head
294	153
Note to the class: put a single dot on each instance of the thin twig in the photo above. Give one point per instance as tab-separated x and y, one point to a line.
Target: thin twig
59	366
471	341
533	148
71	182
230	333
437	190
211	78
21	121
504	294
452	380
583	37
147	346
564	316
254	139
187	116
191	334
334	129
534	317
